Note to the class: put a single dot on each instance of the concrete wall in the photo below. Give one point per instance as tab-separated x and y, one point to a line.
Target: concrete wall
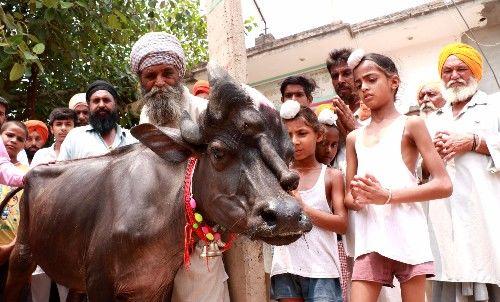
413	42
489	40
415	64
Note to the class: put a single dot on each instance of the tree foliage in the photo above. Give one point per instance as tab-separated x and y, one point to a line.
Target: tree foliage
52	49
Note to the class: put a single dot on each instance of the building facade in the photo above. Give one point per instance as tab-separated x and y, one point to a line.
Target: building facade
413	38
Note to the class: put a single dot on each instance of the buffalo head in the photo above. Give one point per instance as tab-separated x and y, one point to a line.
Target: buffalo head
242	181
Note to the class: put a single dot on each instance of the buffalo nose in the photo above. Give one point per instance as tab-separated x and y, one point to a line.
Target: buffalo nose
289	181
288	217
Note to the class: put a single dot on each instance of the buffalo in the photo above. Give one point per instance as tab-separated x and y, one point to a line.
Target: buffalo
113	225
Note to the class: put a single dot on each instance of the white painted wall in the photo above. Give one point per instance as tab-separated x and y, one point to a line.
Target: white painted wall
416	64
490	43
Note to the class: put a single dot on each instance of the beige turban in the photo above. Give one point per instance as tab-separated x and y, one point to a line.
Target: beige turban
157	48
76	100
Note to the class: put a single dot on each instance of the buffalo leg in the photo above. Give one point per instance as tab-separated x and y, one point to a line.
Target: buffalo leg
21	266
99	287
100	293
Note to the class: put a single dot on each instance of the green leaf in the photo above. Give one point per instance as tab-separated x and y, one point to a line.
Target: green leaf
10	50
9	21
49	14
39	48
50	3
17	15
15	40
82	4
16	72
122	17
3	44
5	62
114	22
33	38
29	56
65	5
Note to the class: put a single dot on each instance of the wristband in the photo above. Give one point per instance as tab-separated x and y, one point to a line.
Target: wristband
390	197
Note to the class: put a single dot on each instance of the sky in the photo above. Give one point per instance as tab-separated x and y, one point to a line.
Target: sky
288	17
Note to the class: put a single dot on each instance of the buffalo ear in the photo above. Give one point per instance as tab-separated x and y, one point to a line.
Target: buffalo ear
167	143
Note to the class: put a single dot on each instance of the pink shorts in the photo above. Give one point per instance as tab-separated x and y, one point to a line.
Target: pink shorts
377	268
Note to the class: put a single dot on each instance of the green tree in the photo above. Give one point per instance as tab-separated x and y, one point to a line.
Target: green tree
52	49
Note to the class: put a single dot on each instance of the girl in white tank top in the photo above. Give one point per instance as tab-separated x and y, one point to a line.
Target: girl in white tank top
309	267
388	233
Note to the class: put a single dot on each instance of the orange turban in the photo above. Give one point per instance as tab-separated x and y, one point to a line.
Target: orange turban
467	54
200	87
38	126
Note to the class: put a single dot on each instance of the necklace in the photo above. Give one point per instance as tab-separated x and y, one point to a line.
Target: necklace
214	246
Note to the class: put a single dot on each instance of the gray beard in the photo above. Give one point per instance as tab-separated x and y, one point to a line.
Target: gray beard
427	108
164	105
461	93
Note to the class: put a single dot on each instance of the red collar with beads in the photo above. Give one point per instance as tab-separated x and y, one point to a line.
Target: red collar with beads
195	222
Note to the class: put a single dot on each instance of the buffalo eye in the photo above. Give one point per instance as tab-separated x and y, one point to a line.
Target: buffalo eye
218	153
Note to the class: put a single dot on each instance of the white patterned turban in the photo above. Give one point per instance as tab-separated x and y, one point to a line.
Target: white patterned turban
157	48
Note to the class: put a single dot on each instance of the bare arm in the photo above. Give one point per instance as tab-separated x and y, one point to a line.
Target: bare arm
352	167
336	222
439	186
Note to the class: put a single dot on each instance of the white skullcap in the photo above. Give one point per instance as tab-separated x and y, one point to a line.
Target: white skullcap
289	109
355	58
327	117
76	100
157	48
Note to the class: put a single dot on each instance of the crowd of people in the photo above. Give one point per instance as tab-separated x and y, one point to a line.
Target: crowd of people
389	195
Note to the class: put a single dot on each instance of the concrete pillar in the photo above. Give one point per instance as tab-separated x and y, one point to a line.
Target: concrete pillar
226	45
226	37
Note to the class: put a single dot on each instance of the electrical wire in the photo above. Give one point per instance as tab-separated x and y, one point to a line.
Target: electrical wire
473	38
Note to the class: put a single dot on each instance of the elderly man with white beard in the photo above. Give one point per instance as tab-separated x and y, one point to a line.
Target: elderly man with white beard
158	60
463	228
430	97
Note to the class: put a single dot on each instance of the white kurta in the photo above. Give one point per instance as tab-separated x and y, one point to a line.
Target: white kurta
464	227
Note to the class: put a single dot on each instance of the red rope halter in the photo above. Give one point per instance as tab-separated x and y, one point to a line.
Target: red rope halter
195	222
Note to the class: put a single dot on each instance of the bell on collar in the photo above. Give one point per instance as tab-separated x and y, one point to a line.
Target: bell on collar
211	250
